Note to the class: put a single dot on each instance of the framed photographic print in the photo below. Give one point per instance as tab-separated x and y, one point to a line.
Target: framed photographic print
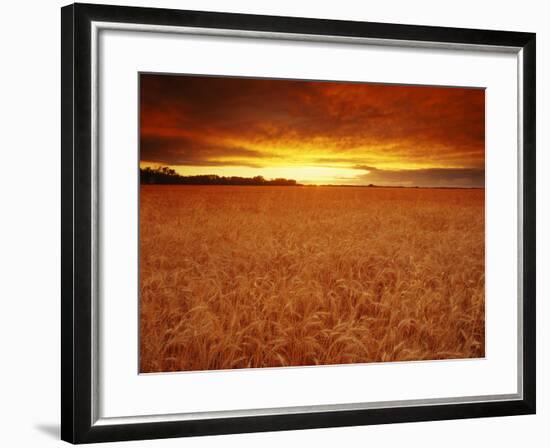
274	223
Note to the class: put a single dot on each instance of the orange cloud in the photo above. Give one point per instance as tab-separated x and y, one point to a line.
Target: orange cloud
205	124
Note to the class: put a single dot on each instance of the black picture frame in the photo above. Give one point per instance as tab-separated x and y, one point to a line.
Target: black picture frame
77	323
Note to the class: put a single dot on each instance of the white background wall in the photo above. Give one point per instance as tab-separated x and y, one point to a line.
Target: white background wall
30	209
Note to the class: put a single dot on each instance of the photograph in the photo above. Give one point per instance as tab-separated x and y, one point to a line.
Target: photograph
294	223
285	219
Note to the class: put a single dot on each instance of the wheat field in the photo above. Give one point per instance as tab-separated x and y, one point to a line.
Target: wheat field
246	277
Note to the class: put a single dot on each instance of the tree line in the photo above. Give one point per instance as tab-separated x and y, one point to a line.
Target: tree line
168	176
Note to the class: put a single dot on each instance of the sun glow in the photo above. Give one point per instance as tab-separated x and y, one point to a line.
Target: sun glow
320	175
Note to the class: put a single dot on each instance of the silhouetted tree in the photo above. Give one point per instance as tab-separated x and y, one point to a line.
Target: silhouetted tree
165	175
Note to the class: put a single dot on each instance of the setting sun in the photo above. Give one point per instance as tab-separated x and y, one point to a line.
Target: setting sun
314	132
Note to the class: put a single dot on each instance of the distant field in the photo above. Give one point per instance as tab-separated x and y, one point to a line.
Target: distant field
238	277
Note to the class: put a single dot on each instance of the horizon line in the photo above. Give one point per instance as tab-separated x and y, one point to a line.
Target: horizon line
434	187
164	175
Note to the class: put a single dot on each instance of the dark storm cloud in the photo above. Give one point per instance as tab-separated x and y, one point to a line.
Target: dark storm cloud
428	177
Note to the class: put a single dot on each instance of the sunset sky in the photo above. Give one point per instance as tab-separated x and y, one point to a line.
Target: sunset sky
313	132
